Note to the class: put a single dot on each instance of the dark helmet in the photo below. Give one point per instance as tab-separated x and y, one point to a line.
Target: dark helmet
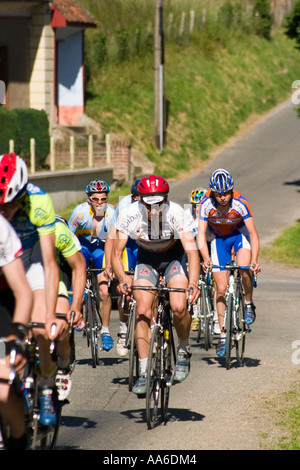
134	190
97	186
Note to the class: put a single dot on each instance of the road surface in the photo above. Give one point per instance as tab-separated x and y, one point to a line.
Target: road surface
214	408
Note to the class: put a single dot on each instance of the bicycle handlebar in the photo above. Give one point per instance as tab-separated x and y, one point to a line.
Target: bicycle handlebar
235	266
160	288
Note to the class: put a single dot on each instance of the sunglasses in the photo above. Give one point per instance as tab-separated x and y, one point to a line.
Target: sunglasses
99	199
222	194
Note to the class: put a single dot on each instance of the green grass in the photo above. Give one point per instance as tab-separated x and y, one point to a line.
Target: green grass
209	97
286	248
285	410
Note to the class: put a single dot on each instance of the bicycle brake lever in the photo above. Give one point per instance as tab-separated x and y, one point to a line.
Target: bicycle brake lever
52	345
12	373
71	322
189	299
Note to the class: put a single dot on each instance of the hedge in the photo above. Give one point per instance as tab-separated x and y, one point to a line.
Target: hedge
21	125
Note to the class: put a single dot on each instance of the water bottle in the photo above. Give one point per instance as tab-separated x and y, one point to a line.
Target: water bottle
26	387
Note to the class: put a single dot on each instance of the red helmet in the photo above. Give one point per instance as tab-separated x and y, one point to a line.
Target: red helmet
153	189
13	177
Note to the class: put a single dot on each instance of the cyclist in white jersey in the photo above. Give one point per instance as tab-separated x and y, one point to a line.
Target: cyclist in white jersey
90	222
165	245
129	263
15	310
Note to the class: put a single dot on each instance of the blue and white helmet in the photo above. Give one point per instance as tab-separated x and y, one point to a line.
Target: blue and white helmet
221	181
97	186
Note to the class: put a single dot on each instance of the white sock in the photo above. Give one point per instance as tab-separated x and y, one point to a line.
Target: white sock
143	365
105	329
123	327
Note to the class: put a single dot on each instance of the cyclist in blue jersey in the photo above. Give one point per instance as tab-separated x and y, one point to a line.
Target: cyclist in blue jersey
15	309
229	218
31	213
90	222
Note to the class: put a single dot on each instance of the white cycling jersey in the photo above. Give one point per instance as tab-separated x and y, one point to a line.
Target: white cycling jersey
159	234
10	244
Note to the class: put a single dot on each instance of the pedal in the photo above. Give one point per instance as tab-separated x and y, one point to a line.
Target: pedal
169	379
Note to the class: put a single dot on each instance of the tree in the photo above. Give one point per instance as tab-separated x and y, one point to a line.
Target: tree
292	22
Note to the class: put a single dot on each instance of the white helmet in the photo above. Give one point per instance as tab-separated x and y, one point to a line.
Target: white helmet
13	177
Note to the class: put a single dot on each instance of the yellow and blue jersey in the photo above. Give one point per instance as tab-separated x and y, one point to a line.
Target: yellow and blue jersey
35	217
81	222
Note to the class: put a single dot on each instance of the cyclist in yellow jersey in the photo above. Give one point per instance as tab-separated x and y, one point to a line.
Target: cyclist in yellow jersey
30	211
15	310
72	268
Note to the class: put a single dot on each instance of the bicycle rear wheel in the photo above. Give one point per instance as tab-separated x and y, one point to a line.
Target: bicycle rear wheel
153	389
49	434
131	345
229	305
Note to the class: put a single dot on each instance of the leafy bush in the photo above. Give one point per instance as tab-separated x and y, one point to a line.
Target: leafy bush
292	24
262	18
9	130
21	125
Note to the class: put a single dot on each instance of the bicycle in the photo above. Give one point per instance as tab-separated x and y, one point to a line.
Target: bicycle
40	437
205	310
130	344
92	313
162	356
234	320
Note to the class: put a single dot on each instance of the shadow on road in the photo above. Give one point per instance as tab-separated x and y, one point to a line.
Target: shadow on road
174	414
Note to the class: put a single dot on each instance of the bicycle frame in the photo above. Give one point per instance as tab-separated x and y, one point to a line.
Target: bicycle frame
93	318
234	323
160	376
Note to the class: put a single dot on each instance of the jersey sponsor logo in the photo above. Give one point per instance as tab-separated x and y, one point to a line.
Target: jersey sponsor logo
144	272
75	221
125	223
33	189
64	239
41	213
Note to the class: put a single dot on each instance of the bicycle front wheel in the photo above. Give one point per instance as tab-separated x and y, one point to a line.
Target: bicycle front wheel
229	305
153	378
240	341
93	329
168	369
200	313
131	345
208	322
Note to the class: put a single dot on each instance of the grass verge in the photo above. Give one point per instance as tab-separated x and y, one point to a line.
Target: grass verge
286	248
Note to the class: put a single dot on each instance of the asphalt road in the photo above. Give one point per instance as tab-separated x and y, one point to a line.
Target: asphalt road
214	408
